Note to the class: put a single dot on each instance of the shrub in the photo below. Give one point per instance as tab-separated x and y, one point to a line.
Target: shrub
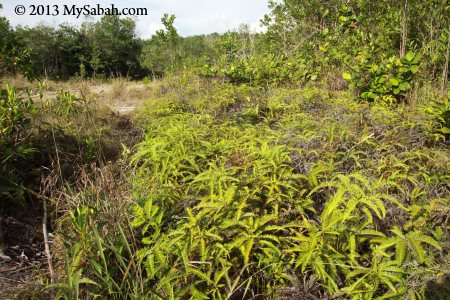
388	80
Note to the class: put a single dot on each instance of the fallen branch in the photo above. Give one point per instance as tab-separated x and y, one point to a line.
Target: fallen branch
362	141
46	243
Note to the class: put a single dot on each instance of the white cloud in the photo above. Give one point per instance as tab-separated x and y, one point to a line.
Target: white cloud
192	17
147	27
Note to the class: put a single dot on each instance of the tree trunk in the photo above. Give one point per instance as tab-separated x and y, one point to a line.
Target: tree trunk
447	55
404	29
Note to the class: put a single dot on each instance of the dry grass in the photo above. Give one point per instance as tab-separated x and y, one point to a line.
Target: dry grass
120	95
18	81
124	96
426	93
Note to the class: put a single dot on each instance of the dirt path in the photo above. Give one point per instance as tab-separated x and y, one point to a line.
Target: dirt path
123	100
120	96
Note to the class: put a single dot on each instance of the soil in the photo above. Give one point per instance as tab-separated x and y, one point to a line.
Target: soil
126	103
23	263
130	98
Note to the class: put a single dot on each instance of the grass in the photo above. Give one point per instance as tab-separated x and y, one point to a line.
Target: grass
118	94
221	191
57	146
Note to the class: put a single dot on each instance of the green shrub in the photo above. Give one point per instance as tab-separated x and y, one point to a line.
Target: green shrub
388	80
243	204
15	142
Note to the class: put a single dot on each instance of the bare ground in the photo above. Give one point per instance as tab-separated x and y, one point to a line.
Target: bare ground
22	259
120	95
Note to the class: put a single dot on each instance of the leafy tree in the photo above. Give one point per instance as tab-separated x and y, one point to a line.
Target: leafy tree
107	47
44	54
13	54
6	46
115	46
72	49
160	52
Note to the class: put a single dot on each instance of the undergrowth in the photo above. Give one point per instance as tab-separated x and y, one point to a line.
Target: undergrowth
249	193
240	192
50	148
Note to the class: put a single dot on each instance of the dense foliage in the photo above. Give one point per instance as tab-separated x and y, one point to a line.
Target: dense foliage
245	193
15	123
107	48
310	161
304	41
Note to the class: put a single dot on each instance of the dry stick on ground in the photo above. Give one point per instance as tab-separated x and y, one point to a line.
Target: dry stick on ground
46	242
362	141
45	216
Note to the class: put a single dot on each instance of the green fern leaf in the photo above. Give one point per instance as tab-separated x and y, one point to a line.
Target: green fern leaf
400	251
425	239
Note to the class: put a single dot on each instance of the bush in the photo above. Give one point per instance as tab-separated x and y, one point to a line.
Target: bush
15	141
388	80
245	204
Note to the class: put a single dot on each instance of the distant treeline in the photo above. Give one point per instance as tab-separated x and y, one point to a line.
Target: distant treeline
107	48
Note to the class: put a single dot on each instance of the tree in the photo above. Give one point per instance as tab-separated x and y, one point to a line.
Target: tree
14	55
168	38
115	45
160	52
44	54
6	46
72	49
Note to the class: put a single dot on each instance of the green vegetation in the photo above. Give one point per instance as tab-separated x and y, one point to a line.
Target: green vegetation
105	49
288	189
15	121
310	161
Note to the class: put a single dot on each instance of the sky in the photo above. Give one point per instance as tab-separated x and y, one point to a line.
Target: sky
192	17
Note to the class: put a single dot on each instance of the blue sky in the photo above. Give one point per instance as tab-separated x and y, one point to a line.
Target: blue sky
192	17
